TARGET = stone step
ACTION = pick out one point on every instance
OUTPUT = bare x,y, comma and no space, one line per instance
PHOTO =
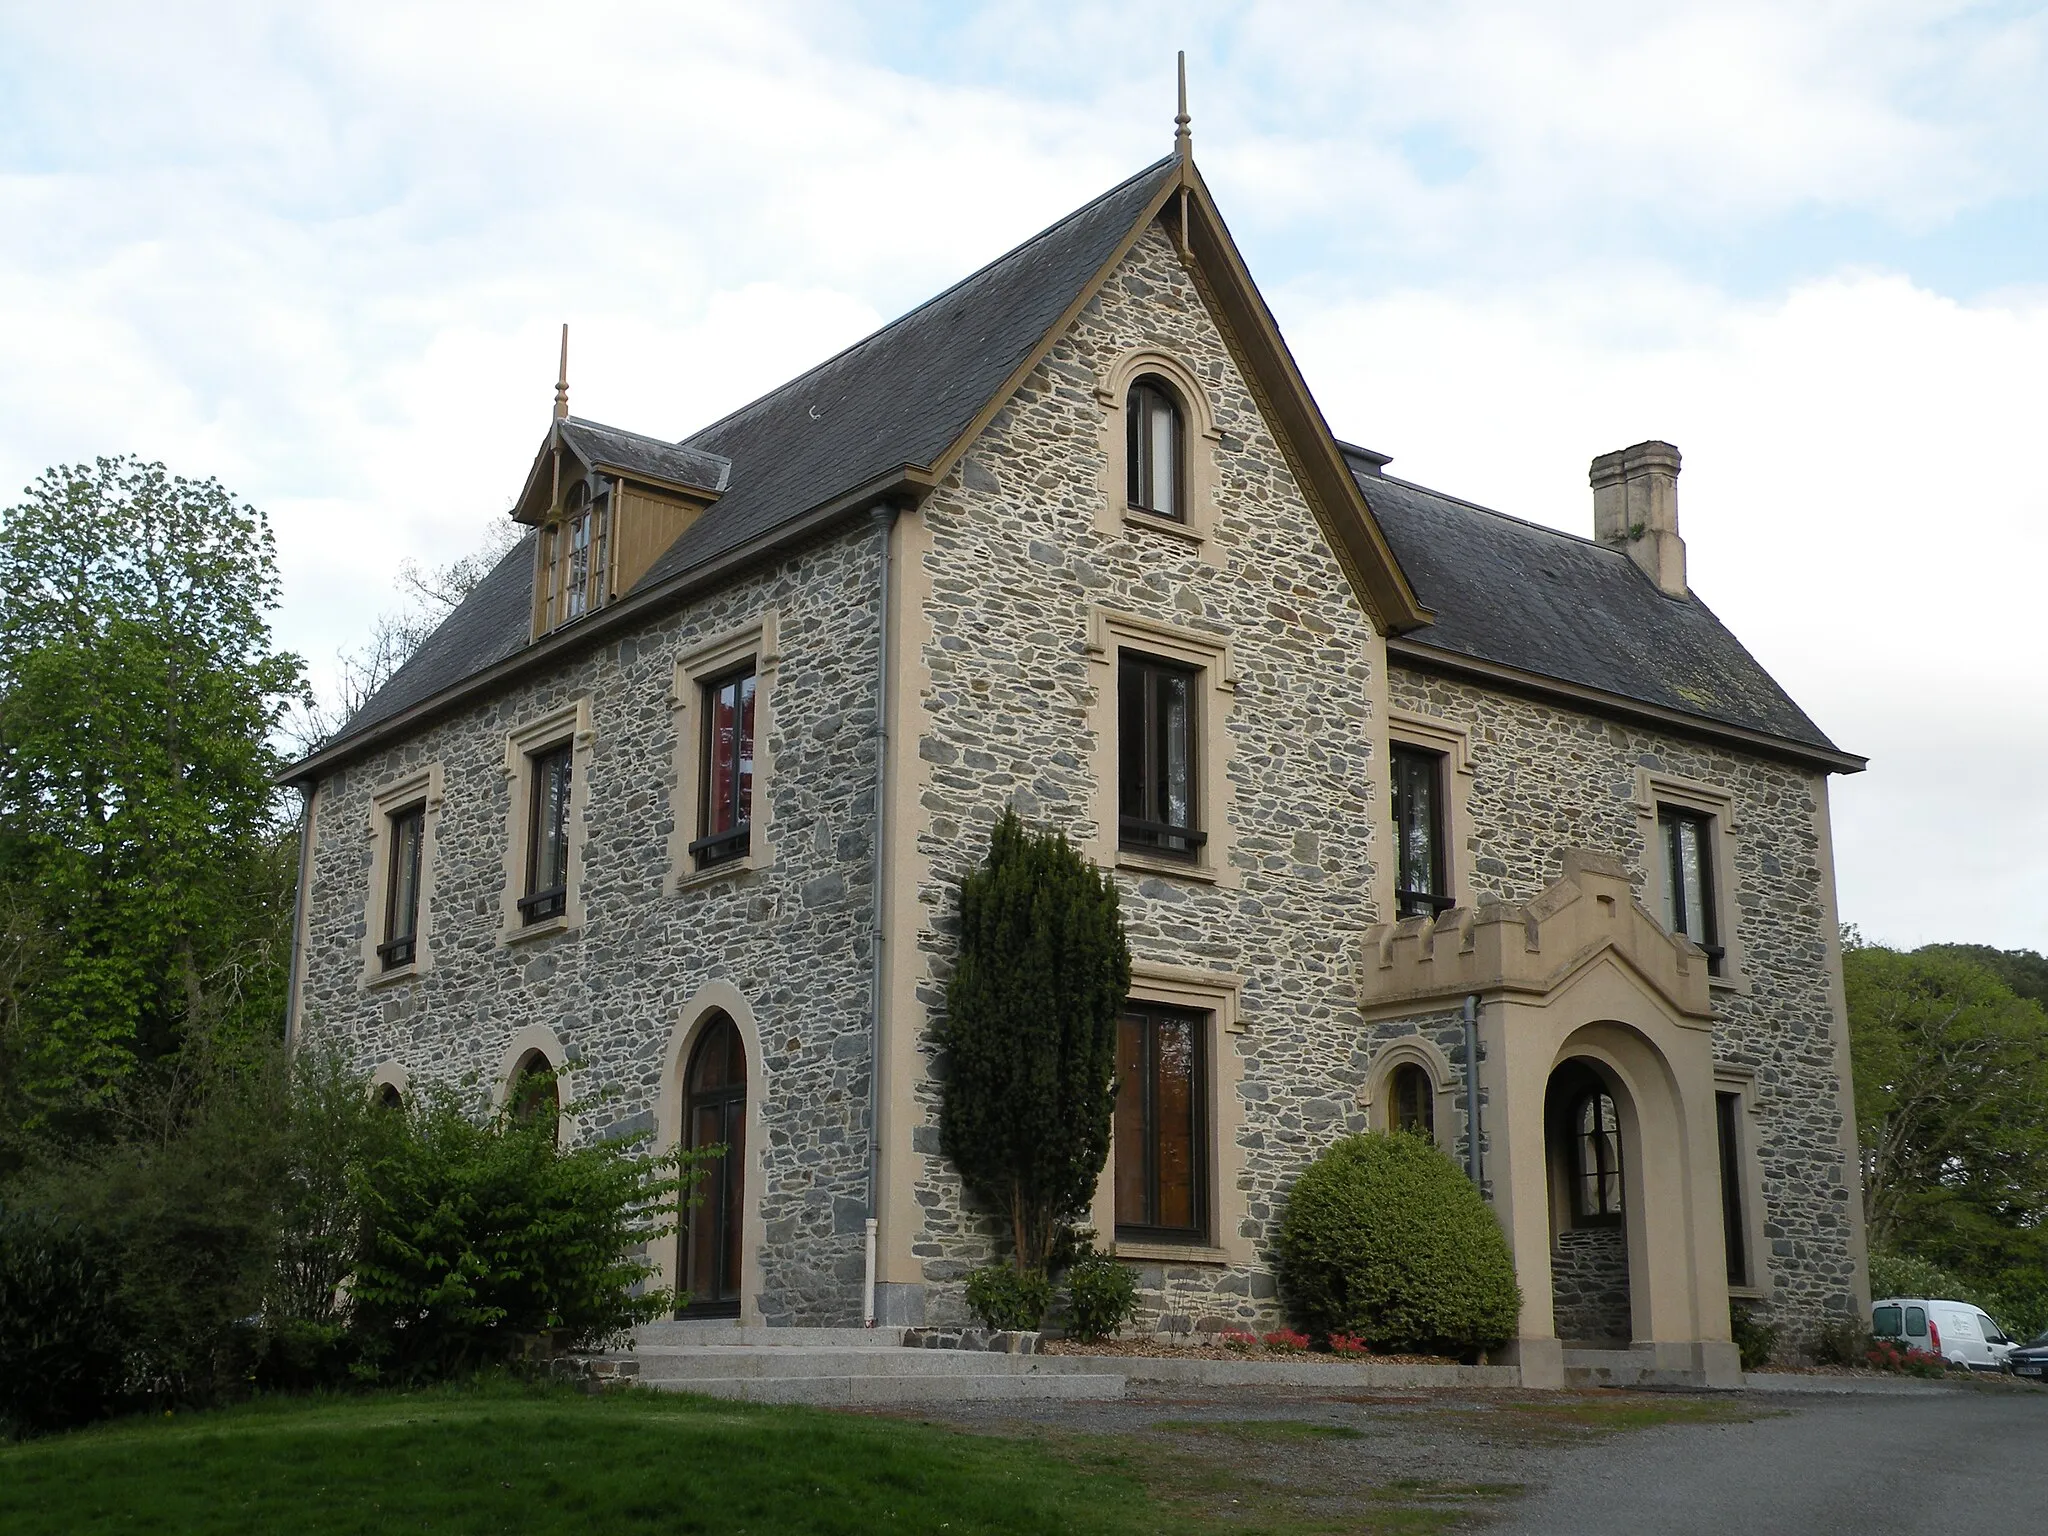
865,1390
1620,1368
681,1331
710,1362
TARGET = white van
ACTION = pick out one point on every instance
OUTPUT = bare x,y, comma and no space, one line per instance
1955,1330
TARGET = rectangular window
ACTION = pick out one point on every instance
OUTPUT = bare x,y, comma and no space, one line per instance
576,583
1156,756
547,838
1161,1131
402,893
1421,889
1689,879
1728,1117
725,817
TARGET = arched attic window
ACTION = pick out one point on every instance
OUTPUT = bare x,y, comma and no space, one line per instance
1596,1145
1156,449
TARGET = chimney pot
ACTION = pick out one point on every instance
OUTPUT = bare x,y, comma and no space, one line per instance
1635,510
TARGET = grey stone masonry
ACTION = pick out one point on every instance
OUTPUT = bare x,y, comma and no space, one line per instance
1019,556
1589,1285
792,938
1544,778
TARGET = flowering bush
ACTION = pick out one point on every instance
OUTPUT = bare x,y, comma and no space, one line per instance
1238,1339
1888,1355
1286,1341
1348,1344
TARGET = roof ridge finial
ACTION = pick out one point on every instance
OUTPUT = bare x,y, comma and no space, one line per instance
562,379
1183,141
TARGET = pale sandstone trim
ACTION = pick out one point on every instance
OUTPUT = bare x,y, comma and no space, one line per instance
1374,1094
754,642
423,785
1659,789
532,1039
1838,1029
571,723
1218,996
669,1106
391,1074
1111,631
1115,516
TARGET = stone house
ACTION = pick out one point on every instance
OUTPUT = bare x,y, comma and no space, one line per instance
1413,807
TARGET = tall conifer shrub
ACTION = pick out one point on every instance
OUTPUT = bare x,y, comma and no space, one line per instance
1030,1033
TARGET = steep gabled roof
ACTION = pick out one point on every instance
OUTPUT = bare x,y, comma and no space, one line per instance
603,447
1523,598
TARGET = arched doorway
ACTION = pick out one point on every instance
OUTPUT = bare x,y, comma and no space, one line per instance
715,1115
1591,1300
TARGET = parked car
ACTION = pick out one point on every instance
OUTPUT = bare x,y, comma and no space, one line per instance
1955,1330
2030,1358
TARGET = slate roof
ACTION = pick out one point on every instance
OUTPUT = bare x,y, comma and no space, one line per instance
596,443
1504,591
897,399
1529,597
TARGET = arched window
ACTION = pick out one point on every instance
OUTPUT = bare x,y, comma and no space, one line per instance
1596,1132
388,1097
1155,449
534,1093
715,1115
1411,1101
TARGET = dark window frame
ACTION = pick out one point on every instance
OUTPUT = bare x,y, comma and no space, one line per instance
1198,1024
1143,828
1734,1192
723,845
1672,820
1148,395
400,948
1591,1206
540,903
1409,764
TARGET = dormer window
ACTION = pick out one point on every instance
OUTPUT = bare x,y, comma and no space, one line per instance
1155,441
575,557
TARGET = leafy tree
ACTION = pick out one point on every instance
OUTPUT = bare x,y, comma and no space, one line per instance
139,829
1952,1113
1030,1033
2025,971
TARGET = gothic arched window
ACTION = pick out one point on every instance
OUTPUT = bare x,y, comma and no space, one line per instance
534,1094
1596,1141
1155,449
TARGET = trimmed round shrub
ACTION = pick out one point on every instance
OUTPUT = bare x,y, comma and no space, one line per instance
1007,1301
1385,1239
1102,1295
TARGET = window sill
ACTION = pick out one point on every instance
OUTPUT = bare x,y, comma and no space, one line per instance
1170,1253
372,980
1172,527
692,879
1153,864
1748,1293
545,929
1736,985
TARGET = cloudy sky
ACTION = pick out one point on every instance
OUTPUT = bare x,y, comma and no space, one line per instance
321,251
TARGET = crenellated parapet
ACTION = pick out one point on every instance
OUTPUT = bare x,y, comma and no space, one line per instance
1534,948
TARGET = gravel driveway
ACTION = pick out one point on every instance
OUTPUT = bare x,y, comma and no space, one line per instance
1947,1460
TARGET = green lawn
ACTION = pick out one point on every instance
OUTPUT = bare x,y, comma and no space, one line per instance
511,1460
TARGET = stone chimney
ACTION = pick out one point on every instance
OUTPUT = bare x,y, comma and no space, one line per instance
1635,509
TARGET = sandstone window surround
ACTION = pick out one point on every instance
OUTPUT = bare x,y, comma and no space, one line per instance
1213,998
390,1084
1451,742
720,657
536,1048
1200,439
1413,1053
421,789
1736,1116
525,747
1208,656
1655,793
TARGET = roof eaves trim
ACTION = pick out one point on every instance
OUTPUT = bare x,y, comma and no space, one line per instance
1269,368
635,608
1400,649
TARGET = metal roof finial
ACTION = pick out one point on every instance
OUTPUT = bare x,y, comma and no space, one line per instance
562,379
1183,141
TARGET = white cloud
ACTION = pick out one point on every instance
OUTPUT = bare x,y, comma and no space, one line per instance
321,251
